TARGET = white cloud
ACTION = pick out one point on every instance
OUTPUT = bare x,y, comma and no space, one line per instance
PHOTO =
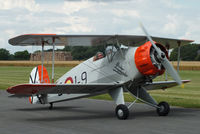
77,28
171,25
171,4
26,4
10,33
192,30
70,25
70,7
161,18
2,43
125,12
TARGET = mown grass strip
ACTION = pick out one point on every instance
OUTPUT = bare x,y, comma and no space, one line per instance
184,65
176,96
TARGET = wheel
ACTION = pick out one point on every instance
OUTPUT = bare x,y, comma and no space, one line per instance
51,106
164,109
122,112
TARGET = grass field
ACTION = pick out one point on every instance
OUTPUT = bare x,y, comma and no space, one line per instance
35,63
187,97
184,65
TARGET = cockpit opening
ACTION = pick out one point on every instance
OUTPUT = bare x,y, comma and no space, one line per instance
98,56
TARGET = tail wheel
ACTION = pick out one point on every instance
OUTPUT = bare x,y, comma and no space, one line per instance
51,106
163,109
122,112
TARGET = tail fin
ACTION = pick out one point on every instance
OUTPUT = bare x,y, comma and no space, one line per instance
36,75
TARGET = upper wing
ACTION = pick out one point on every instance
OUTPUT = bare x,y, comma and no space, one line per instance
162,85
89,40
61,88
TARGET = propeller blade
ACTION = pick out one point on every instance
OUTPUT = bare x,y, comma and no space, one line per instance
170,69
162,57
150,39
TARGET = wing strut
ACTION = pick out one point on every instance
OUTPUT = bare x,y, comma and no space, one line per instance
167,46
179,53
53,59
178,58
42,56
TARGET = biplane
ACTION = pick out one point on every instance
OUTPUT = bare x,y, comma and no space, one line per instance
128,64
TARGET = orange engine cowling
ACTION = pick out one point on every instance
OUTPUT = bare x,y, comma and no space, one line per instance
146,59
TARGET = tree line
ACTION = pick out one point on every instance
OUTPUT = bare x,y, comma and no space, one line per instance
78,53
20,55
190,52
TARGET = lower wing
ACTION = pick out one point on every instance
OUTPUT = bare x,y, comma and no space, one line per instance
61,88
29,89
162,85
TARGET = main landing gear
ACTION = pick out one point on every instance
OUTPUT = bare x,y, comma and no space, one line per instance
122,112
163,109
141,94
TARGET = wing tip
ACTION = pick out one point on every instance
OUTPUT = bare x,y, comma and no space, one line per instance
186,81
16,40
9,90
187,40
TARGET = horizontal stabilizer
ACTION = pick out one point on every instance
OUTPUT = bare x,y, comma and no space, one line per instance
19,96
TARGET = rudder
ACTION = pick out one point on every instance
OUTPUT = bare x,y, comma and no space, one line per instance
36,75
36,78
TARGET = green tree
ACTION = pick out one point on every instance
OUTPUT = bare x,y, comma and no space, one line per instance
67,48
84,52
187,52
37,51
197,58
4,54
22,55
78,52
11,57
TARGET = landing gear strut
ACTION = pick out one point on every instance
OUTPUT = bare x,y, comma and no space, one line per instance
163,109
51,106
122,112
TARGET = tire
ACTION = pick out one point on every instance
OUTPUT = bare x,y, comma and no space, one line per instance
51,106
164,109
122,112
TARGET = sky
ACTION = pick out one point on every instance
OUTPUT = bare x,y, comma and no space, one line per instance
164,18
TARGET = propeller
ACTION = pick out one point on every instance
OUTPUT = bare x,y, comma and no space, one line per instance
163,59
